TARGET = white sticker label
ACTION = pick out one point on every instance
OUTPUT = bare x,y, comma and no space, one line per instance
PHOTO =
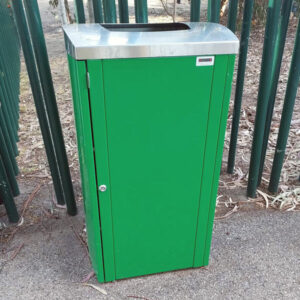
205,61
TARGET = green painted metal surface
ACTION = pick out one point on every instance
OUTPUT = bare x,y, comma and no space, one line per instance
213,13
98,11
246,27
49,104
141,11
219,152
36,59
278,55
195,10
86,158
232,14
151,130
263,94
123,11
287,113
109,9
79,11
159,165
9,109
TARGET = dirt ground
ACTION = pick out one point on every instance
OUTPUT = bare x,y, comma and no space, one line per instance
42,219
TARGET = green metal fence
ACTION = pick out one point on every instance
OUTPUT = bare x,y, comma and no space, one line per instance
32,39
31,35
278,15
9,109
22,26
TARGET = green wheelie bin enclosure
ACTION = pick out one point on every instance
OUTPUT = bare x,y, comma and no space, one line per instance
150,104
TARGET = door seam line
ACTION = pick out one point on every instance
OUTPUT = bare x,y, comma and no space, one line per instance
218,144
96,175
108,164
203,162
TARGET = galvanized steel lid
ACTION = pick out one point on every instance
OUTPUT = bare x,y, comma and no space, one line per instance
111,41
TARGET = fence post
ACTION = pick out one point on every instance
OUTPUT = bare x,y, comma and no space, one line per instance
215,7
247,17
9,166
195,10
98,11
287,113
80,17
39,100
42,61
109,7
9,94
6,195
263,94
279,48
123,11
232,14
11,145
208,10
4,118
8,106
141,11
9,103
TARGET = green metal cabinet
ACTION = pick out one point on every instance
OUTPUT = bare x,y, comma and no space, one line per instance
150,105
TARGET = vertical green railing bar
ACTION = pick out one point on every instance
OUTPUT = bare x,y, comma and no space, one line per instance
80,17
215,7
208,10
6,78
98,11
37,92
41,55
246,27
8,105
6,195
11,145
109,7
7,86
123,11
232,15
287,113
195,10
8,162
279,48
9,110
6,123
263,94
40,104
5,118
141,11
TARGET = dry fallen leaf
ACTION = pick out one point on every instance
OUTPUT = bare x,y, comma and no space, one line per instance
99,289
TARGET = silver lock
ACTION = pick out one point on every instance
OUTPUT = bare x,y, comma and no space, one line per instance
102,188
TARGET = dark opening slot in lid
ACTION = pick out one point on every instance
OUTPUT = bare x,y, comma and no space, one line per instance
146,27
